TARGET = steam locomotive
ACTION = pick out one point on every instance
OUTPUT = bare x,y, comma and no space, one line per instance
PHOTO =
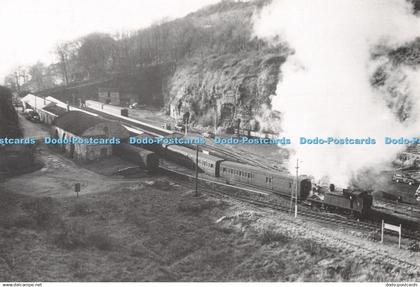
355,202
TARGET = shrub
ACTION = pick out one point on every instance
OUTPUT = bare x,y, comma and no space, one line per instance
414,246
313,248
270,236
196,206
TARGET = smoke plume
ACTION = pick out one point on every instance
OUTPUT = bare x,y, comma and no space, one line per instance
325,88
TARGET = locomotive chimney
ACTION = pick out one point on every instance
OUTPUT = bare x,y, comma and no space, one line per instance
332,187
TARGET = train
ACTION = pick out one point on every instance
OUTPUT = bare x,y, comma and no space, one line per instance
143,158
234,172
350,201
356,202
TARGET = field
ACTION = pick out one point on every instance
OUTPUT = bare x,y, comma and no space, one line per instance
154,230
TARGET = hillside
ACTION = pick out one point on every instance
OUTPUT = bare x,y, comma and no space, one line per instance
9,126
208,65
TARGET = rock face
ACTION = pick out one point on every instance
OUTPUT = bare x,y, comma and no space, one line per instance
230,74
224,89
396,77
230,80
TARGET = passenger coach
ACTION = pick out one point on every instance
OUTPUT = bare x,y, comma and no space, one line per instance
279,183
206,163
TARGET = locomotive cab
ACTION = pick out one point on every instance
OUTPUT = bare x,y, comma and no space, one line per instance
305,188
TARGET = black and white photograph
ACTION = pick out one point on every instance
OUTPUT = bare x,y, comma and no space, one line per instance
209,141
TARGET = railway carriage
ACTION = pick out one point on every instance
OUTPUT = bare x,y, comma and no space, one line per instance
279,183
143,158
206,163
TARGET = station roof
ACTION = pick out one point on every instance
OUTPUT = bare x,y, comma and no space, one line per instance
54,109
34,101
77,122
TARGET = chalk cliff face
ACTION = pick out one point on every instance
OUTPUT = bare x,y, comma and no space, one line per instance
222,89
232,74
233,78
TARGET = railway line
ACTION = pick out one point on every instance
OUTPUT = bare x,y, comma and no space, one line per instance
237,157
238,193
259,202
114,114
415,210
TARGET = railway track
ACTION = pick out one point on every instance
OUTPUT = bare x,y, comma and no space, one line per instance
412,208
310,214
244,159
318,216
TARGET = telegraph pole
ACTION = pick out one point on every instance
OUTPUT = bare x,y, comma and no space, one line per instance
196,171
294,193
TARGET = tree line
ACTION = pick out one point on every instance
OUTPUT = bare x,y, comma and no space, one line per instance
225,27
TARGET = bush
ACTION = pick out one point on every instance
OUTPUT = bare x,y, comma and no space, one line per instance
196,206
414,246
269,236
313,248
347,271
374,236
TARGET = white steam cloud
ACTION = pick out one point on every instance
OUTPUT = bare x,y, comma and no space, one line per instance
325,88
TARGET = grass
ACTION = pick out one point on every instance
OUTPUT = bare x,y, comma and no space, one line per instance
270,236
159,235
196,205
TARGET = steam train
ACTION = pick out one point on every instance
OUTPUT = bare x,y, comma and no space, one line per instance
355,202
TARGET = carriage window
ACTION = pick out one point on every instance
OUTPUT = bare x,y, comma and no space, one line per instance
290,185
249,175
211,165
224,169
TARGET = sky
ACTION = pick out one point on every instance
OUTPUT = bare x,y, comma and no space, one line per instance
30,29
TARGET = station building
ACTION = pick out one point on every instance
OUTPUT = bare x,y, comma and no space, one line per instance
80,125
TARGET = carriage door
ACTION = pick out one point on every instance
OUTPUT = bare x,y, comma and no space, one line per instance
269,182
